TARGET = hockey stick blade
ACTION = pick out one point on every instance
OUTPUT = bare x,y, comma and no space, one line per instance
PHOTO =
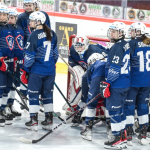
27,141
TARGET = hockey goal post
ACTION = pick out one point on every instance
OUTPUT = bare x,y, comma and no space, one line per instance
93,40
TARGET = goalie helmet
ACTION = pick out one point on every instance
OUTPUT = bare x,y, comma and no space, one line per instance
81,44
139,29
94,57
118,26
37,16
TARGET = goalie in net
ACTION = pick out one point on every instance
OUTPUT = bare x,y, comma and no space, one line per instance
81,47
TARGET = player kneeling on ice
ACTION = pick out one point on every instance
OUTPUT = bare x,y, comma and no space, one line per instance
117,84
41,55
79,54
95,74
140,83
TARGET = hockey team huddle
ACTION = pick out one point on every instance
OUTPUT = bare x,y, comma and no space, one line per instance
117,78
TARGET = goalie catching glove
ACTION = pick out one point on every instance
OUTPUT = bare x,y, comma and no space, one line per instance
24,77
104,89
3,65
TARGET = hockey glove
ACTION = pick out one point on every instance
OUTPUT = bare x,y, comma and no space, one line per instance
24,77
3,65
104,89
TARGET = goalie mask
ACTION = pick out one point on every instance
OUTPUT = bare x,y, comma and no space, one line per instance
116,31
4,15
81,44
136,30
94,57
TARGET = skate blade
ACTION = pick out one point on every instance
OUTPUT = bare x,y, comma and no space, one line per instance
75,125
8,122
113,147
89,138
2,124
33,128
48,127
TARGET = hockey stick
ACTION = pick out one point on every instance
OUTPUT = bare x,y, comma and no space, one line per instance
68,67
64,97
25,140
20,103
20,93
25,105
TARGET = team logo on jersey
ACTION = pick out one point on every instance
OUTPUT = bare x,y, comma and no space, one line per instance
10,41
131,14
83,64
116,12
106,11
83,8
141,15
19,40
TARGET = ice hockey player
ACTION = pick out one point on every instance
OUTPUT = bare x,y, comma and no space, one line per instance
18,34
139,91
29,7
117,71
41,55
95,74
6,62
79,54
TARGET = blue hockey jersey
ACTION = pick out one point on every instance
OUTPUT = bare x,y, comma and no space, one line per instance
23,23
41,55
95,74
76,59
118,65
6,41
19,47
140,63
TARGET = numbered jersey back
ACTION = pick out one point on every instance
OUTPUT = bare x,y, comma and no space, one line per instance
118,65
40,54
140,63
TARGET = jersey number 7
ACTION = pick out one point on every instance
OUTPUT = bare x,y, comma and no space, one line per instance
47,45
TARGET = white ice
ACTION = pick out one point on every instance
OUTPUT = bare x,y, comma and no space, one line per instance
63,138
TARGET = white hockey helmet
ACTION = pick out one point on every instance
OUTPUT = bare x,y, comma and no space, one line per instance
38,16
137,26
13,12
29,2
3,9
79,41
94,57
118,26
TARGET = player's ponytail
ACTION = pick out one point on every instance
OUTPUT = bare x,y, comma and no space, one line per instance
47,30
145,40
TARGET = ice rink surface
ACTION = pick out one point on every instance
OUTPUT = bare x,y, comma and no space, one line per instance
63,138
